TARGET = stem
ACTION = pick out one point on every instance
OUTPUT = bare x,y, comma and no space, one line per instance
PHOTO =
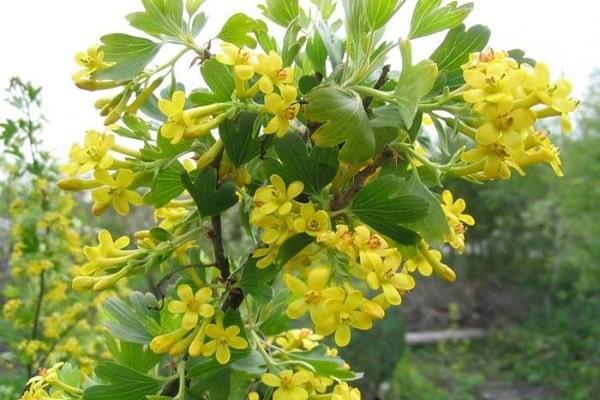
216,236
36,317
181,370
467,169
383,78
126,151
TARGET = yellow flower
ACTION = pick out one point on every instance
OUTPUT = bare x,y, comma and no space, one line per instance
169,216
191,305
311,221
289,384
393,283
11,307
162,343
428,261
372,248
94,154
493,84
313,294
115,192
496,161
276,229
91,61
277,197
343,391
267,256
284,107
239,58
223,339
298,339
271,68
341,240
354,312
253,396
542,151
178,120
455,209
107,254
504,124
558,98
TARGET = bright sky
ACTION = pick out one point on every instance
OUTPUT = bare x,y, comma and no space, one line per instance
38,39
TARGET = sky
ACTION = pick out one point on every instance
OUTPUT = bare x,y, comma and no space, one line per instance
38,40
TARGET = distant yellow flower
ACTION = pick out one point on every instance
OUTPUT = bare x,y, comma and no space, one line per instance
94,154
271,68
239,58
276,197
115,192
191,305
223,339
178,121
92,60
311,221
284,107
289,384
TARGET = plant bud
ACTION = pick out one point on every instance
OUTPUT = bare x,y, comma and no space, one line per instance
91,85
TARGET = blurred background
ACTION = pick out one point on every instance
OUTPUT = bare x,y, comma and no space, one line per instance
522,320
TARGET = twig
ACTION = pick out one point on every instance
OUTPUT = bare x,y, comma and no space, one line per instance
342,200
383,78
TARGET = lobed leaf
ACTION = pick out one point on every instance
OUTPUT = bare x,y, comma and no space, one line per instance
429,18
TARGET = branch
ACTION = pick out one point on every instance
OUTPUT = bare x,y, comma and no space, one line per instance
216,236
342,200
383,78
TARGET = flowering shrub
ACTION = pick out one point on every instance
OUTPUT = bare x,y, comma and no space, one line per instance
44,320
319,148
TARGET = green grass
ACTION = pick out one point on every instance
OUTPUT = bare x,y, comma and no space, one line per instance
557,351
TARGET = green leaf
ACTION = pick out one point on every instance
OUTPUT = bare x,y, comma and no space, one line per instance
121,383
237,30
257,282
198,24
454,51
219,79
385,208
132,322
132,355
333,45
137,126
429,18
317,53
325,7
316,167
291,44
239,139
161,18
167,185
434,226
164,149
344,121
379,12
325,365
210,199
191,6
129,53
282,12
414,83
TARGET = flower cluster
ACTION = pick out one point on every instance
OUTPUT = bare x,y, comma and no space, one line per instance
201,332
510,98
301,384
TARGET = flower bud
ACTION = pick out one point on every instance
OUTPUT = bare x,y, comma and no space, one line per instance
92,85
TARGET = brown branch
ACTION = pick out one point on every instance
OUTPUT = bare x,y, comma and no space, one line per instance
342,200
383,78
216,237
